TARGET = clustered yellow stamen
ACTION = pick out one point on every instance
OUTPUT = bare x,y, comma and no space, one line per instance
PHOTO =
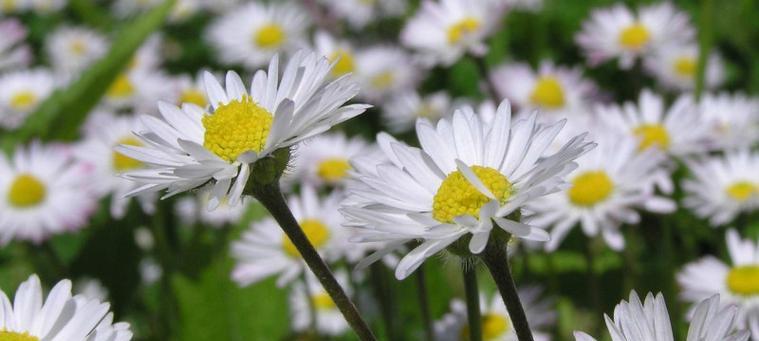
122,162
461,28
742,190
634,37
383,80
270,36
322,301
121,87
685,66
456,196
316,232
427,111
493,327
26,191
193,96
23,100
548,93
15,336
237,127
333,169
744,280
78,47
590,188
345,63
652,134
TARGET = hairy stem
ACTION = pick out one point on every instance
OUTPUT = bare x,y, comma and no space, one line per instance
472,302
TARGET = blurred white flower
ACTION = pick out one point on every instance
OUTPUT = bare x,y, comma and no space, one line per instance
675,66
359,13
91,288
402,111
14,53
194,208
384,71
137,91
143,238
15,6
21,92
338,51
329,320
733,120
190,90
72,49
150,271
47,6
325,159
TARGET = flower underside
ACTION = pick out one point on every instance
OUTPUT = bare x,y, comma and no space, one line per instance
237,127
456,196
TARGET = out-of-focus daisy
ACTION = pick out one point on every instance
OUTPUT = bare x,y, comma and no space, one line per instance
468,178
358,13
339,51
189,90
137,90
636,321
13,52
188,147
14,6
254,32
46,6
329,320
148,56
192,209
20,94
442,31
59,317
675,66
150,271
402,111
144,238
733,120
71,49
552,89
325,159
44,192
723,186
91,288
611,182
496,323
265,250
737,283
103,132
384,70
618,32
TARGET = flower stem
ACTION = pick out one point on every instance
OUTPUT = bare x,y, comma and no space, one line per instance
270,197
424,306
497,262
472,301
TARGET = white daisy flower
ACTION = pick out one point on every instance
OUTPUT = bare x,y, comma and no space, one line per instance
59,317
264,250
150,271
496,323
137,90
148,57
45,192
338,51
91,288
552,88
324,159
675,66
254,32
383,71
443,31
722,187
187,147
47,6
21,92
618,32
402,111
72,49
103,132
14,53
733,120
736,283
190,90
649,321
359,13
467,175
15,6
194,208
144,239
329,320
611,182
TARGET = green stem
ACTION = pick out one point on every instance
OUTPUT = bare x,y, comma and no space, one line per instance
168,308
424,305
482,67
630,257
593,280
704,44
472,301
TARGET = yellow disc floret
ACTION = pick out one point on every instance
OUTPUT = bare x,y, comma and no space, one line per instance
493,327
456,196
270,36
383,80
236,127
193,96
322,301
744,280
121,87
590,188
78,47
345,63
462,28
122,162
741,190
15,336
26,191
23,100
634,37
333,169
316,232
548,93
685,66
652,135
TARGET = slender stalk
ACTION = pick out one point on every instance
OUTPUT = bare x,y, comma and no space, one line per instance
424,306
593,280
704,44
311,305
482,66
472,301
497,263
270,197
168,308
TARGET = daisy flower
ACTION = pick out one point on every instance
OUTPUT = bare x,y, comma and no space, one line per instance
329,320
265,250
20,94
611,182
338,51
443,31
194,208
45,192
324,159
254,32
359,13
675,67
733,120
383,71
467,179
496,323
72,49
721,187
618,32
13,52
402,111
649,321
190,90
47,6
552,89
188,147
137,90
15,6
58,317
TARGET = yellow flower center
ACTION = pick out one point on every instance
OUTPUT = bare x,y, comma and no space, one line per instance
652,135
744,280
383,80
9,5
26,191
270,36
14,336
493,327
456,196
634,37
590,188
193,96
685,66
23,100
316,232
333,169
461,29
121,87
548,93
78,47
237,127
345,63
322,301
426,110
122,162
741,190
